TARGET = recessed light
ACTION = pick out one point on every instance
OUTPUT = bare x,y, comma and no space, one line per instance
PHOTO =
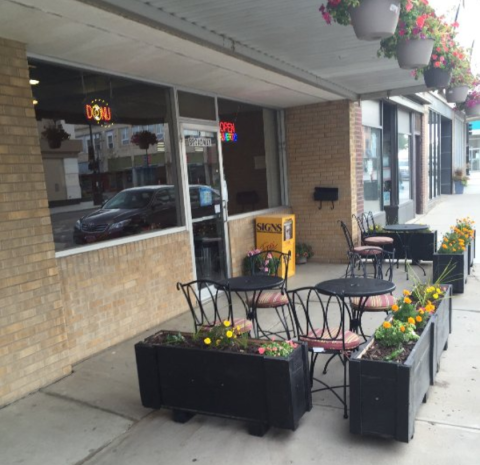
34,101
34,82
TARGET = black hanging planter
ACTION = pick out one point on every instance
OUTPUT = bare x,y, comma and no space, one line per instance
375,19
437,78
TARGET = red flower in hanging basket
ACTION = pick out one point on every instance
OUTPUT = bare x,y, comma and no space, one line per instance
144,139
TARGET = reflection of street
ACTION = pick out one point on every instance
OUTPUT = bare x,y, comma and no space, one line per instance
62,225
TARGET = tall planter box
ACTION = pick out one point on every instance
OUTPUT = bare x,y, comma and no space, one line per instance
422,245
459,269
385,396
442,327
264,391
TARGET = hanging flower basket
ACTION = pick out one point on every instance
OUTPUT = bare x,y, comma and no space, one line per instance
375,19
457,94
473,111
437,78
414,53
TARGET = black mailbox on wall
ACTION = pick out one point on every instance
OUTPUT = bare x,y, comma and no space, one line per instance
326,193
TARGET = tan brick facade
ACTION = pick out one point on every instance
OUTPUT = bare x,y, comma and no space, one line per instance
114,293
33,340
321,148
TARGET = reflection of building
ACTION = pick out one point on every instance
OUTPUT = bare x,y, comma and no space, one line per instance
474,146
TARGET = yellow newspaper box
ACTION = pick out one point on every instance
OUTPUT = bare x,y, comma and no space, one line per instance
277,232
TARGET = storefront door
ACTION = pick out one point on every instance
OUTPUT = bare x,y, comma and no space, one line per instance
208,214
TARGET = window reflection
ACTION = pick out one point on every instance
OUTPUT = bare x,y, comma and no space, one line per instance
404,170
371,169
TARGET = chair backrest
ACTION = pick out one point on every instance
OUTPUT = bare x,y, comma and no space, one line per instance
269,262
378,264
318,316
348,236
203,300
370,223
360,219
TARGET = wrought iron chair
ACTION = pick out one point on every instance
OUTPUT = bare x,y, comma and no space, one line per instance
381,267
203,298
364,250
320,322
368,236
272,262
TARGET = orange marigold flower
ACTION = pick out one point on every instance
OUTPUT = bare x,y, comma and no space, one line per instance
444,246
406,292
411,320
407,300
395,307
418,318
387,324
402,329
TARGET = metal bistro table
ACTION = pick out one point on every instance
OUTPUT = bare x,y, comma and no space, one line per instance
362,288
402,231
253,284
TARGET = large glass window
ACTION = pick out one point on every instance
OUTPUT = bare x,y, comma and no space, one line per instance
250,156
104,139
372,166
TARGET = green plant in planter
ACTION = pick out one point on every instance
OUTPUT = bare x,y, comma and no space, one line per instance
458,175
55,135
337,11
407,310
394,335
303,250
473,98
262,264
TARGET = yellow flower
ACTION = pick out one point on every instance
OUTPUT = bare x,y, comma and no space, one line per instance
406,292
407,300
439,291
229,333
402,329
444,246
395,307
421,312
207,341
387,324
418,318
411,320
238,328
217,342
226,323
435,296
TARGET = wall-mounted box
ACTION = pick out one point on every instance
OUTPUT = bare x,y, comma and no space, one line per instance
326,193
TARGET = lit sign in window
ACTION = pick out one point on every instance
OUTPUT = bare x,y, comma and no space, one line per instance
98,111
227,132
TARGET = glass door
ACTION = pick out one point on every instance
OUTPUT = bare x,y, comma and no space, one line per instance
207,209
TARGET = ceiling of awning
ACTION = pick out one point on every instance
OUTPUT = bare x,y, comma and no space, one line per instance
274,52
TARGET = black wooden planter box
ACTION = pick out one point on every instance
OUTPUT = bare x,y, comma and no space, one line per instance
458,275
264,391
385,396
422,245
442,327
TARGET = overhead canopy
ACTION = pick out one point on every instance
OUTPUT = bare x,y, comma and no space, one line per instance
275,53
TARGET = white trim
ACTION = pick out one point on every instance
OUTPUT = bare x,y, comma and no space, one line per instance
404,102
266,211
117,242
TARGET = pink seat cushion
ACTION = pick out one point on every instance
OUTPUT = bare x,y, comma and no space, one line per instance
378,240
270,299
368,250
376,303
332,341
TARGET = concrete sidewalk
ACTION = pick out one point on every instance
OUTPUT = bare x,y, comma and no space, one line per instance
95,417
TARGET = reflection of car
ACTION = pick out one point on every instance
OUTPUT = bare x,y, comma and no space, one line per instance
404,170
141,209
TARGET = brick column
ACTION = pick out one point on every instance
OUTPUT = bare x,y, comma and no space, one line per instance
33,341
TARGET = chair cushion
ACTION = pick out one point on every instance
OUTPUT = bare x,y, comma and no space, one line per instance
378,240
367,250
376,303
269,299
314,339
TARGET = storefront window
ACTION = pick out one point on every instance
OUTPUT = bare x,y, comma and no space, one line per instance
404,168
106,178
372,166
250,156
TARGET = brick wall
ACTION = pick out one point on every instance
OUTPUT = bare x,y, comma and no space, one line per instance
241,233
359,144
113,293
321,153
33,341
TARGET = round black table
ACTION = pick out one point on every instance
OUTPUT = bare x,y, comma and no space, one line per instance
402,231
254,284
363,288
